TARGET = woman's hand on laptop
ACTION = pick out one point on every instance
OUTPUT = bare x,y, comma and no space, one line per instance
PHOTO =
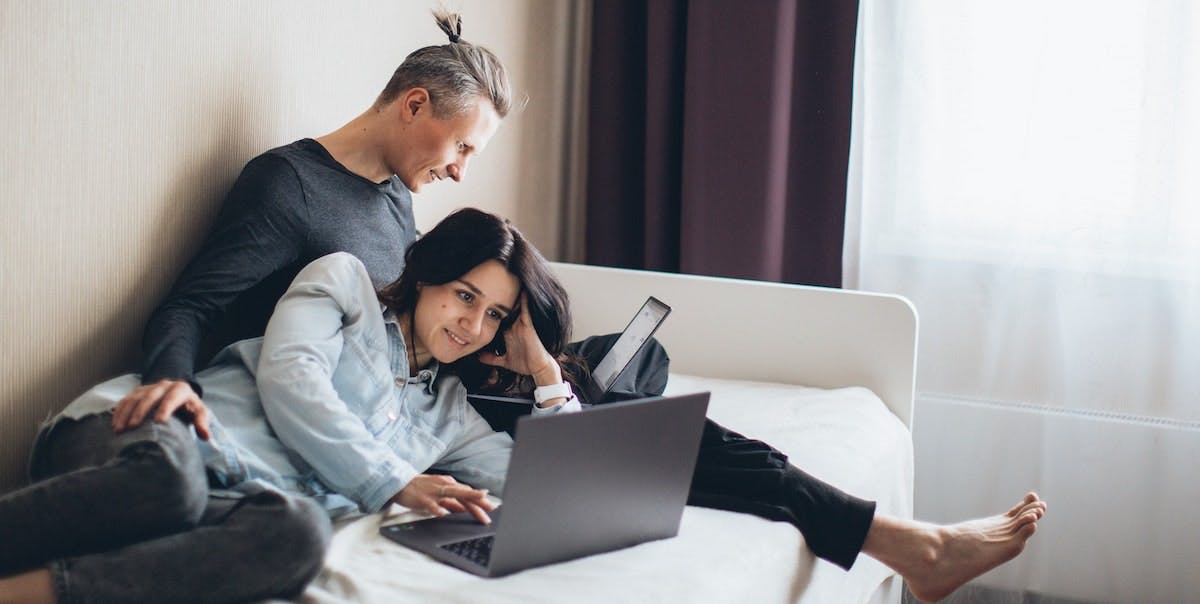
439,495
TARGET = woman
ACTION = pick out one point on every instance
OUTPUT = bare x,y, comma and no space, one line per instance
339,405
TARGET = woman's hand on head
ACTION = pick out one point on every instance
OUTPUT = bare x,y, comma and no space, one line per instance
163,398
439,495
525,353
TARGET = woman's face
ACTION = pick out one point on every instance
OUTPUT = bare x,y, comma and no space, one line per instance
458,318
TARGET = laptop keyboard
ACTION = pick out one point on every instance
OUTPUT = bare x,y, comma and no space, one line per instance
478,550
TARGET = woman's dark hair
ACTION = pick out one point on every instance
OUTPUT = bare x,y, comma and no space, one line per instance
455,74
459,243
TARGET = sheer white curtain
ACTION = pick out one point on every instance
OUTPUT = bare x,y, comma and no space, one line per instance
1028,173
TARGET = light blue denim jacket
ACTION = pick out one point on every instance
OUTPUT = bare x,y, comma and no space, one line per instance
322,404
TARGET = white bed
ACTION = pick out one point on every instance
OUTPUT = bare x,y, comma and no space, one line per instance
824,375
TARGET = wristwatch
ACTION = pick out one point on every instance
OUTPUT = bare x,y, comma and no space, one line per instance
542,394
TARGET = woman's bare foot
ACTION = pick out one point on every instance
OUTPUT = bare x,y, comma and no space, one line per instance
935,560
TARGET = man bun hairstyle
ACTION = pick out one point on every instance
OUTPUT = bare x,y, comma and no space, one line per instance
444,21
455,74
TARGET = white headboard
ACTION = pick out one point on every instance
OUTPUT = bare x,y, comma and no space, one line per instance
753,330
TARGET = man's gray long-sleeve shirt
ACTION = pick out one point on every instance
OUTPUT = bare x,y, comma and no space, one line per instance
290,206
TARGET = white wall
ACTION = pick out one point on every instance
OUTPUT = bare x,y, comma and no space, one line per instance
125,123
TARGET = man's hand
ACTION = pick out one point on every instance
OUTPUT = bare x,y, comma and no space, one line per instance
439,495
164,398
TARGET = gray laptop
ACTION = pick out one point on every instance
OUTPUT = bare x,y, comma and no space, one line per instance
578,484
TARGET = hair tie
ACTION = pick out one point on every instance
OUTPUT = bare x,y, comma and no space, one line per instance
457,35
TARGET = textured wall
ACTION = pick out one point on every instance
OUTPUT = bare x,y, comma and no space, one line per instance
125,122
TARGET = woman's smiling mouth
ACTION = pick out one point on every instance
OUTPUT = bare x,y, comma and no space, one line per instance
457,340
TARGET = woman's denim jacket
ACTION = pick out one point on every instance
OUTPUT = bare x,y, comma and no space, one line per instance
322,405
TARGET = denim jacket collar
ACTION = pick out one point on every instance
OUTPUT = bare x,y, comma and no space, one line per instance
426,377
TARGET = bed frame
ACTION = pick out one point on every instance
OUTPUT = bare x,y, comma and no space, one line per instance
770,332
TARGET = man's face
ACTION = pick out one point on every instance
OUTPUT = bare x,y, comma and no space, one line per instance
434,149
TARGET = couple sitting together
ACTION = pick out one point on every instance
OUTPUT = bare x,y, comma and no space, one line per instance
354,396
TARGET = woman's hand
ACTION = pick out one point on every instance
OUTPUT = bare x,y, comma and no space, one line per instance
164,398
525,354
439,495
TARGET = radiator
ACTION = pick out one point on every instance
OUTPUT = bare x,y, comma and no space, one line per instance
1123,523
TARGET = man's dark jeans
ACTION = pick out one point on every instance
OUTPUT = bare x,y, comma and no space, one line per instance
130,518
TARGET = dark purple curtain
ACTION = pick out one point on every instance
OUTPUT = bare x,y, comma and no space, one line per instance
719,132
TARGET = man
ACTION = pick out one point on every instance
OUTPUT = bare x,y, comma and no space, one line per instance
349,190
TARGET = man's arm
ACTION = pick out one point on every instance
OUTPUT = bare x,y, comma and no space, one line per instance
261,229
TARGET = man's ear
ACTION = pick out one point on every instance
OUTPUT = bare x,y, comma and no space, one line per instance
413,102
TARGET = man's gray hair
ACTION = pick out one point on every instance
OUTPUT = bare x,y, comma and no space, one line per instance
455,74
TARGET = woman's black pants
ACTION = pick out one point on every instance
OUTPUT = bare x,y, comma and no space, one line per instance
739,474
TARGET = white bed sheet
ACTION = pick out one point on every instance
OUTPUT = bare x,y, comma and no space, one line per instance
844,436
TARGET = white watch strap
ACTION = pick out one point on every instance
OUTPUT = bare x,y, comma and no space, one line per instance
542,394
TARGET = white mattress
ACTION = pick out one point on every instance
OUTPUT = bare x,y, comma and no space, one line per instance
844,436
